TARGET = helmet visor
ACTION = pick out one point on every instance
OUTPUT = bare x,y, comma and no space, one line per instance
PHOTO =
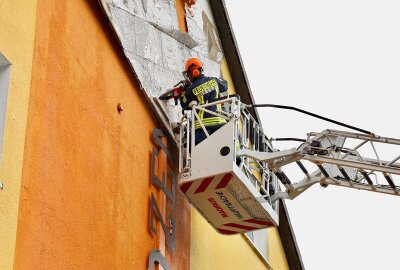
186,75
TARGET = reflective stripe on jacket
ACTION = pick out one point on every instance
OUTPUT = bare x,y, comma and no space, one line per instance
205,90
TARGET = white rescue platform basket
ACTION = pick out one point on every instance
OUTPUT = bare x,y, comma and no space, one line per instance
231,177
233,193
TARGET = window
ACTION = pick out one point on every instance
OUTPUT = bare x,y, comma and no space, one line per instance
259,239
5,68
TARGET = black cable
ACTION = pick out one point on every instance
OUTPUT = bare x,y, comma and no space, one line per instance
288,139
311,114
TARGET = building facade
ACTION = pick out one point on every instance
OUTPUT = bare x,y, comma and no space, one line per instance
88,160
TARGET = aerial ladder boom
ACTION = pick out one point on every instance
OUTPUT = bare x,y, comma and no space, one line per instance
336,164
235,177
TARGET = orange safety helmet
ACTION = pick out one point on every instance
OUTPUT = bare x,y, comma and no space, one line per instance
193,67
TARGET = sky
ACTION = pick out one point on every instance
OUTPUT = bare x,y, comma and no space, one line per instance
339,59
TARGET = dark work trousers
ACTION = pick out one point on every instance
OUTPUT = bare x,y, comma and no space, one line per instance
200,135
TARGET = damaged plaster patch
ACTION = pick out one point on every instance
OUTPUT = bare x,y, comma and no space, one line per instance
145,4
184,38
156,48
212,68
148,41
155,79
189,53
159,13
141,68
172,53
211,35
162,15
124,24
194,30
133,6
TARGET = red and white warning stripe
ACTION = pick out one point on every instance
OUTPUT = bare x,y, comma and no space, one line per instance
216,183
244,226
195,187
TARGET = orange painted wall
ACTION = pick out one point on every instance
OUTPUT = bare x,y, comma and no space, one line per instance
85,192
180,11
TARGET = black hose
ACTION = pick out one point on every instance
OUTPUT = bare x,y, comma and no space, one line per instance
311,114
288,139
226,97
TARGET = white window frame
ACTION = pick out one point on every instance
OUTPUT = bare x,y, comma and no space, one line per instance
5,71
259,239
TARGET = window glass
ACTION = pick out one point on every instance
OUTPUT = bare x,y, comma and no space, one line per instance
260,241
5,68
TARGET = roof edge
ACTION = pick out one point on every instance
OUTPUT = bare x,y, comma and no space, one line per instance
240,80
232,54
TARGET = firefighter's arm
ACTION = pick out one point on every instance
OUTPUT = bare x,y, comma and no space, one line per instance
183,101
222,85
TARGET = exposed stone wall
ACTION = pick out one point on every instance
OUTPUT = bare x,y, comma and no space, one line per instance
157,49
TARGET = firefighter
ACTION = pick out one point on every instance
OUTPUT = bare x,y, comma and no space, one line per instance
202,90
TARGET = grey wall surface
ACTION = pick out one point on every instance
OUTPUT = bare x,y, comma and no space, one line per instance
156,48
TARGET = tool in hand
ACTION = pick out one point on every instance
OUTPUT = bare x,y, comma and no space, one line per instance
175,92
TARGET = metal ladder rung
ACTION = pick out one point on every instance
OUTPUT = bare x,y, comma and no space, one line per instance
389,180
366,176
302,167
344,173
283,178
322,169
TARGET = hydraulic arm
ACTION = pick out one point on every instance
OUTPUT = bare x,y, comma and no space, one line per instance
232,177
340,158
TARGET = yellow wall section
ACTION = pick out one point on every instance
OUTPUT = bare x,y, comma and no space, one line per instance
227,76
276,254
211,250
17,21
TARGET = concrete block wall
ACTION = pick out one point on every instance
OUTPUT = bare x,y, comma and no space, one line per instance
156,48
